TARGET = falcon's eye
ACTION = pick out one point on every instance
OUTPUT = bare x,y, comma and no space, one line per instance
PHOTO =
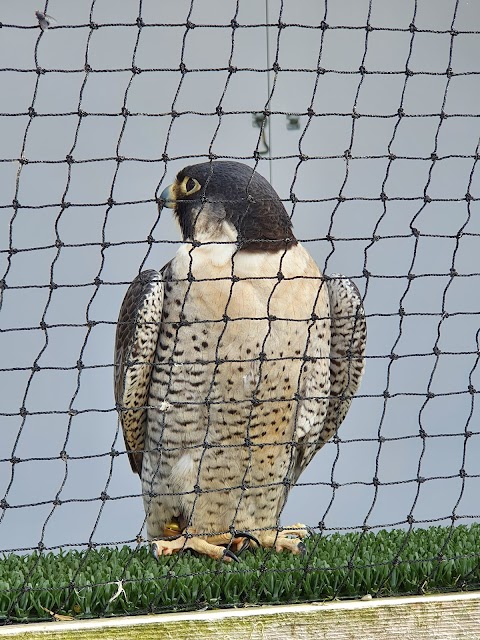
189,186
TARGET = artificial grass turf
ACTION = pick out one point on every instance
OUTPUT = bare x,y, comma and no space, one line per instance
110,581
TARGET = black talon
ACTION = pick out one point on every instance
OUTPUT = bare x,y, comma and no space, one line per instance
302,548
248,536
245,545
231,555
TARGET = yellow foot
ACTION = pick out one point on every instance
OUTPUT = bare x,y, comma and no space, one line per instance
177,541
286,539
296,530
182,542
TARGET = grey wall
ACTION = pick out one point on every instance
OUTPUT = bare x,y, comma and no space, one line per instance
94,142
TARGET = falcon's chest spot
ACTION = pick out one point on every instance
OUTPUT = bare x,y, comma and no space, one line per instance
186,355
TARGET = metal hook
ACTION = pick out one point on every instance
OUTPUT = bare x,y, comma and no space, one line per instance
259,120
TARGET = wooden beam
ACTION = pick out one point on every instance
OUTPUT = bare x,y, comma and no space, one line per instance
439,617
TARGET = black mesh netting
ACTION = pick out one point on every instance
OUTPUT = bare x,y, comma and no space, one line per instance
364,117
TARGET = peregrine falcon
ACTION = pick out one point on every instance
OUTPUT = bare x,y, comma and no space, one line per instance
234,365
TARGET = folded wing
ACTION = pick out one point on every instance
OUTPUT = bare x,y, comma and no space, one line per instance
347,363
135,345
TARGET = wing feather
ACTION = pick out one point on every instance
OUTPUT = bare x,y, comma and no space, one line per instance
347,362
347,348
135,345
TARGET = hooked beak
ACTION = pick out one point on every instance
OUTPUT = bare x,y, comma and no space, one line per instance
168,197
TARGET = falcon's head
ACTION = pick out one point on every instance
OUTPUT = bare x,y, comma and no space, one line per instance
210,197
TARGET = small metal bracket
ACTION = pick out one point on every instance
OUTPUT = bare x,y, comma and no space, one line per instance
258,118
259,121
293,122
